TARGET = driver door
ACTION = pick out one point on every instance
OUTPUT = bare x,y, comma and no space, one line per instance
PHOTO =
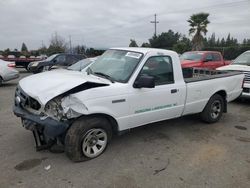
164,101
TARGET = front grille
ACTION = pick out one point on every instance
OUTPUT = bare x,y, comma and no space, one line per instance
247,77
246,90
26,101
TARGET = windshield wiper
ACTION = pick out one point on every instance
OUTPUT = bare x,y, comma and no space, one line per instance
105,76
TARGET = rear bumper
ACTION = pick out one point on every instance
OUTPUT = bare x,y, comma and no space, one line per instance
50,127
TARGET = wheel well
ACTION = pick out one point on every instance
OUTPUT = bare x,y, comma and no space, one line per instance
223,94
112,120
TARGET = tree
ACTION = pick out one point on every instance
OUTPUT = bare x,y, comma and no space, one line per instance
24,48
79,49
198,23
183,45
145,45
133,43
57,44
165,40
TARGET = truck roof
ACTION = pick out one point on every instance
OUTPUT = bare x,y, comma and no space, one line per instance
143,50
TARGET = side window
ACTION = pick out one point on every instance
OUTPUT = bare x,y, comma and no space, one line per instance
209,57
161,68
60,59
71,60
216,57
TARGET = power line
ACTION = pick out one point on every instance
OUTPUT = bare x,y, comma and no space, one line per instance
155,22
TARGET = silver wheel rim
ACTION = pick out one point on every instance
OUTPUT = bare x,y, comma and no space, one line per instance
94,142
215,109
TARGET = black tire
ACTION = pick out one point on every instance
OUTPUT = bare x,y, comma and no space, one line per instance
78,135
213,110
1,81
26,67
40,69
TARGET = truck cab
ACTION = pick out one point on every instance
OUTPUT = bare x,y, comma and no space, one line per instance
203,59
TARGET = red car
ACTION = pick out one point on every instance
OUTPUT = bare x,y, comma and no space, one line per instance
203,59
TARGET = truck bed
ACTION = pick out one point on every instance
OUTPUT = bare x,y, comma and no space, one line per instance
195,74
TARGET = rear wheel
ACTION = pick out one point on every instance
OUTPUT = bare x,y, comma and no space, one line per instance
213,110
87,138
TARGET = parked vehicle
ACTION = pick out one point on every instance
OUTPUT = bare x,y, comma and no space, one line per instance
241,63
203,59
54,61
82,64
7,72
21,61
123,89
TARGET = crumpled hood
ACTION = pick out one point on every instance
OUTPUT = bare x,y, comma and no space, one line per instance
47,85
235,68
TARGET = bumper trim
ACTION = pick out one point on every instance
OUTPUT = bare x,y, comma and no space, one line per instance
51,127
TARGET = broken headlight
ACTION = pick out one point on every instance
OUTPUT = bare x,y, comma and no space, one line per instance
54,109
65,108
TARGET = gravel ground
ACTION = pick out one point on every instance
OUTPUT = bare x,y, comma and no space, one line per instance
183,152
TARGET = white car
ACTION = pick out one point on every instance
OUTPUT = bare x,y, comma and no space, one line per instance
124,88
82,64
242,64
7,71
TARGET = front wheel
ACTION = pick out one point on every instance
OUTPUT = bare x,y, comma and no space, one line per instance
87,138
213,110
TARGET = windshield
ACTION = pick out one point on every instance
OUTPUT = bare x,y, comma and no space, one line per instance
193,56
51,57
116,64
243,59
80,65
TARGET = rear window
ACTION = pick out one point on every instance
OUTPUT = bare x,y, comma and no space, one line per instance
193,56
243,59
216,57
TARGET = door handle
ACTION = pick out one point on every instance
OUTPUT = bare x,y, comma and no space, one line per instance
174,90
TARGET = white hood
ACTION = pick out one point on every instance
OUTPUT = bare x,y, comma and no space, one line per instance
235,68
47,85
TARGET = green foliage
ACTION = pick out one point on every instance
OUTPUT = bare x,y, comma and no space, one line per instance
91,52
133,43
57,45
79,49
183,45
230,52
165,40
24,48
145,45
198,27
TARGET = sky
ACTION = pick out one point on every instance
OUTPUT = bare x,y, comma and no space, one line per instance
112,23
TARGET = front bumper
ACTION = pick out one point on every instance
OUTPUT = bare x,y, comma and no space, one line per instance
33,68
49,126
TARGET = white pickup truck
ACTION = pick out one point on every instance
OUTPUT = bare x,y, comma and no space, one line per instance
123,89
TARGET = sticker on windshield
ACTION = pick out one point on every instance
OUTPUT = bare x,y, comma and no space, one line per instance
133,54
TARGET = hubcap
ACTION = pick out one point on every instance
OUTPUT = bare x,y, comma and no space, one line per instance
215,109
94,142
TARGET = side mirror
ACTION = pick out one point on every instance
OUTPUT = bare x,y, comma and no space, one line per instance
144,81
55,60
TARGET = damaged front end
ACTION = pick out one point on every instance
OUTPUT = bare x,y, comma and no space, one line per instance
49,123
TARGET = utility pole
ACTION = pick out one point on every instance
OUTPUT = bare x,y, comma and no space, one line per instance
70,45
155,22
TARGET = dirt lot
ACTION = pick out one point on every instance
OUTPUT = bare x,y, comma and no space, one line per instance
178,153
